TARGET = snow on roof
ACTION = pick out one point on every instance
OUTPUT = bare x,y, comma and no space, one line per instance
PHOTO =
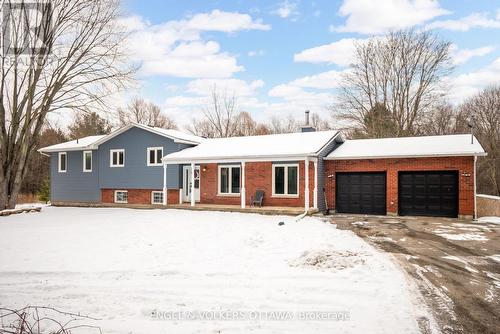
428,146
73,145
287,145
93,141
179,135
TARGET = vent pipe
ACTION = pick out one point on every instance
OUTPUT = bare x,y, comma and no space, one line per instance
307,118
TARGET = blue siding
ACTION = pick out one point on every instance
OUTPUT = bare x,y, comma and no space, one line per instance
74,185
136,174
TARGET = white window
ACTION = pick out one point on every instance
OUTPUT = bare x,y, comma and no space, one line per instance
229,180
121,196
87,161
154,156
157,197
286,180
117,158
63,162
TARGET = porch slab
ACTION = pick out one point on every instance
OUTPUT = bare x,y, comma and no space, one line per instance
266,210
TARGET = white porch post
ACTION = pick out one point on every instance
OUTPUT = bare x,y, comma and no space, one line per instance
306,187
315,193
192,184
243,190
165,184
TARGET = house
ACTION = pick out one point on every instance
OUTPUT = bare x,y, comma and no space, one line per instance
122,167
433,175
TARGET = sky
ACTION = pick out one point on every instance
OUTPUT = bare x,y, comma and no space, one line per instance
283,57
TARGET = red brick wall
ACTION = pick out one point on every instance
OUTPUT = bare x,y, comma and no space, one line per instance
464,165
258,176
139,196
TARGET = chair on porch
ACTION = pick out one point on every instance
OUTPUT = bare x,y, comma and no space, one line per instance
258,198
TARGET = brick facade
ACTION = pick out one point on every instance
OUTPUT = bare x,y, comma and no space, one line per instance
464,166
139,196
258,176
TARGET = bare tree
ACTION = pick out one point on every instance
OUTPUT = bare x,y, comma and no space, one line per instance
59,55
220,116
320,124
482,111
441,121
284,125
403,72
144,112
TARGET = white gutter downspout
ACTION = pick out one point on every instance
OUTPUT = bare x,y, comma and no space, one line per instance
164,184
306,187
475,189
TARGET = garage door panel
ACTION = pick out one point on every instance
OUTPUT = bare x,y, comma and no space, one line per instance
429,193
361,193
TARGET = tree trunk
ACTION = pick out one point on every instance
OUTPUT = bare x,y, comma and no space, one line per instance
3,194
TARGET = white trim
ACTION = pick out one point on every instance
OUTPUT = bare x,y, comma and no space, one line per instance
149,149
223,160
121,202
84,164
230,181
315,191
468,154
306,184
193,199
286,165
153,196
117,158
144,127
65,162
242,188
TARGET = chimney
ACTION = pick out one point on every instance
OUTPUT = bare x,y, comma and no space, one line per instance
307,127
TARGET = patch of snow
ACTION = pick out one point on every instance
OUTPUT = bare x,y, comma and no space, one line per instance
494,257
363,223
488,196
464,236
121,265
491,220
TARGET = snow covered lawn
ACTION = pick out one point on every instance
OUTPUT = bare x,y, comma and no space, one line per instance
123,265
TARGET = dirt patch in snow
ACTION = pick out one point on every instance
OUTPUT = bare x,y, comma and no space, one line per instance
329,260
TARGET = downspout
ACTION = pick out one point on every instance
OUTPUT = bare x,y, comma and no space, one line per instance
475,189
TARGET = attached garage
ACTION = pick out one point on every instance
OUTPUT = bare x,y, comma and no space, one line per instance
361,193
417,176
428,193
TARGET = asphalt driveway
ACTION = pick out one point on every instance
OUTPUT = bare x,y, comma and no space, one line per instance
455,263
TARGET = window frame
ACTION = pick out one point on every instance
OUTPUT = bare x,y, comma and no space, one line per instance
118,160
285,194
149,149
65,162
91,162
120,202
153,196
230,180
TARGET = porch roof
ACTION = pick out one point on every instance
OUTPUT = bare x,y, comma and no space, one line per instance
267,147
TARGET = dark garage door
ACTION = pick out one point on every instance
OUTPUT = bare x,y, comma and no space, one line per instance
428,193
361,193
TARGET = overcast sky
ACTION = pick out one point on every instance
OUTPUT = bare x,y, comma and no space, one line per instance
285,57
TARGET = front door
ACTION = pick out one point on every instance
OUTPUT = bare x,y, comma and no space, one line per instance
186,183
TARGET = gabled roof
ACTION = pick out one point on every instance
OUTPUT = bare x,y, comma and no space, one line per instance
91,142
279,146
408,147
